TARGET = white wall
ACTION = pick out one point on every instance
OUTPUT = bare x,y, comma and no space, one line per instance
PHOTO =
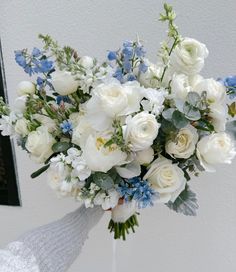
165,241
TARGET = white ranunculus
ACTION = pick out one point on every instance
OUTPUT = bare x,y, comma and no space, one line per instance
110,100
216,92
141,130
215,149
64,82
183,146
39,144
121,213
166,178
100,158
188,57
21,127
46,121
87,62
145,156
107,200
20,103
218,113
154,102
25,88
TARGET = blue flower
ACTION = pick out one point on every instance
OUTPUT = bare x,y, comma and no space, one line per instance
127,66
40,82
20,59
112,55
128,44
128,52
45,66
36,52
230,84
66,126
118,74
140,51
62,98
138,190
131,77
143,67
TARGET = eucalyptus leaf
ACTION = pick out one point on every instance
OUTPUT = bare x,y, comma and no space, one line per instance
103,180
60,147
186,203
40,171
179,120
191,112
231,128
167,114
193,98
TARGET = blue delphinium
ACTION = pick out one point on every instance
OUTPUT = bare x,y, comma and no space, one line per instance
139,190
62,98
112,55
66,127
230,84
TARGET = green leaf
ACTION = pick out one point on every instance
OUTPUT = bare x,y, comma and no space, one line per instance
193,98
103,180
191,112
186,203
40,171
179,120
167,114
232,109
231,128
167,127
60,147
204,125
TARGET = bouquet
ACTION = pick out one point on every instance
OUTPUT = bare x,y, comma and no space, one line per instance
126,133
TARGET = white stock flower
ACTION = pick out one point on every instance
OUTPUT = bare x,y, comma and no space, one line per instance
166,178
39,144
110,100
107,200
25,88
64,82
145,156
21,127
121,213
183,146
56,173
7,124
86,61
215,149
154,102
100,158
188,57
216,92
218,113
141,130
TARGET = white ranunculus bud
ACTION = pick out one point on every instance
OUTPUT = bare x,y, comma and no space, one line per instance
166,178
20,103
145,156
216,92
121,213
188,57
141,130
39,144
64,82
25,88
215,149
87,62
21,127
183,146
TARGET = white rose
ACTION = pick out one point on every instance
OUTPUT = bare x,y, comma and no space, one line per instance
46,121
216,92
121,213
39,144
87,62
218,113
110,100
21,127
100,158
145,156
188,57
141,131
64,82
215,149
25,87
183,146
166,178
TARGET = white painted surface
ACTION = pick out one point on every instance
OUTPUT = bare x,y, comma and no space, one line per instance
165,241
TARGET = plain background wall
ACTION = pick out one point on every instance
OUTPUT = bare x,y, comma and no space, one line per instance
165,241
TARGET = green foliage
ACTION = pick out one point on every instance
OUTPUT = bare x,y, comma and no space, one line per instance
122,229
40,171
61,147
103,180
232,109
179,120
4,109
186,203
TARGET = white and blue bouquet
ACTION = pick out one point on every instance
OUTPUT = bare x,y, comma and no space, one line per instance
126,133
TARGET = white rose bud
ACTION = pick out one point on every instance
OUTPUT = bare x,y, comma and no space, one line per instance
216,92
25,88
146,156
39,144
188,57
21,127
141,131
121,213
86,62
64,82
166,178
215,149
183,146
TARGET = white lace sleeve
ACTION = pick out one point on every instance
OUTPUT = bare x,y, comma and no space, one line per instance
53,247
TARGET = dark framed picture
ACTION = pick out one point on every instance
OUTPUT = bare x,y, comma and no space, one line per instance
9,194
